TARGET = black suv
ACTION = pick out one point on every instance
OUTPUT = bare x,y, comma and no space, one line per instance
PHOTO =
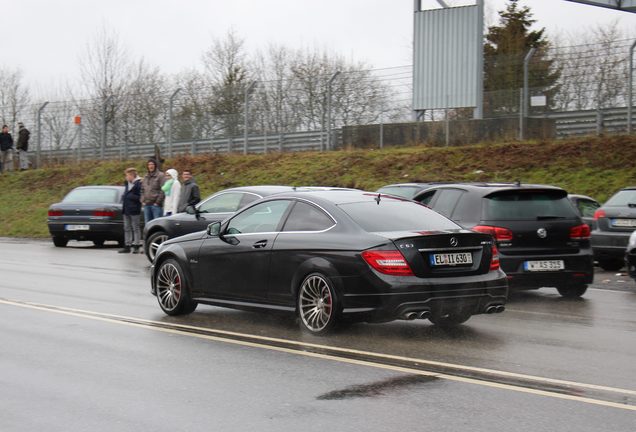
541,238
615,221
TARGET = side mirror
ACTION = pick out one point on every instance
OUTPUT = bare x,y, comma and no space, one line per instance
191,210
214,229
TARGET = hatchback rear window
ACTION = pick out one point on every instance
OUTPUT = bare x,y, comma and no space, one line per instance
401,191
622,199
528,205
391,215
92,196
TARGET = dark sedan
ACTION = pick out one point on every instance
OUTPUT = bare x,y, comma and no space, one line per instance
216,207
88,213
333,255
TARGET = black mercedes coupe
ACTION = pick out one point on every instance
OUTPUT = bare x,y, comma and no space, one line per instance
334,255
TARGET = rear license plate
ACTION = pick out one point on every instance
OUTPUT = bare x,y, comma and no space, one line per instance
552,265
77,227
451,259
624,223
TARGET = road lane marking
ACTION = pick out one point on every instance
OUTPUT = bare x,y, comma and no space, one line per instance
230,337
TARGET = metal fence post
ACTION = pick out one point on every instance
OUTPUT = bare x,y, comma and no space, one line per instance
38,153
381,133
599,122
526,91
248,91
521,114
104,125
79,142
170,108
630,89
329,86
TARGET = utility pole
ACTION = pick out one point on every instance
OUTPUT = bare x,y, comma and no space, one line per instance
526,92
329,86
38,155
248,91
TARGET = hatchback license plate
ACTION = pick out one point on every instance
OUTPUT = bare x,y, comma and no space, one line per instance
552,265
77,227
626,223
451,259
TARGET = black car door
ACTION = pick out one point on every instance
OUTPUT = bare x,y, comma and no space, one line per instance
236,264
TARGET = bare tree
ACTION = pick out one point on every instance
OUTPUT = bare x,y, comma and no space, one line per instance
14,96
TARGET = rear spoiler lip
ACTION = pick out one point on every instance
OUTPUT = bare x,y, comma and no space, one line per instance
404,235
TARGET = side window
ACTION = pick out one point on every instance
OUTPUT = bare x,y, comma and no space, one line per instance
427,198
248,198
447,200
222,203
587,207
264,217
305,217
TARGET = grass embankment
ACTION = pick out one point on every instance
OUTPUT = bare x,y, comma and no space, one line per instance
592,166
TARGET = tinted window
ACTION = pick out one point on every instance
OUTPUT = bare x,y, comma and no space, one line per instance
92,195
306,217
392,215
622,199
264,217
587,207
527,205
401,191
222,203
427,198
447,200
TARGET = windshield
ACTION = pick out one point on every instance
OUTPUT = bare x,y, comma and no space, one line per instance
391,215
92,195
401,191
622,199
528,205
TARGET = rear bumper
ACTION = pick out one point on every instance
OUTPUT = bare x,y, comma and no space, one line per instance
401,295
97,231
609,245
579,269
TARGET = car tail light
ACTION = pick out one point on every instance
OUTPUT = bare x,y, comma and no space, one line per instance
498,233
599,214
580,232
55,213
494,261
103,213
389,262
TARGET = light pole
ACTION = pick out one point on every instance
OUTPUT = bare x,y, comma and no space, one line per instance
526,92
170,108
329,86
248,91
38,154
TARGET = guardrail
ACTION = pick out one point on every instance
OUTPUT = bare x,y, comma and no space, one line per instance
589,122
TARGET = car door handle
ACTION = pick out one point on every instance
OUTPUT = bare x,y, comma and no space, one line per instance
260,244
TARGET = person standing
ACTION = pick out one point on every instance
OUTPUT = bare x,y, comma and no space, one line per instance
151,194
172,190
23,146
131,212
190,194
6,150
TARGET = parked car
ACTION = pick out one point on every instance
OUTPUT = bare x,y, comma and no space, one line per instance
88,213
630,256
586,207
334,255
542,240
406,190
615,220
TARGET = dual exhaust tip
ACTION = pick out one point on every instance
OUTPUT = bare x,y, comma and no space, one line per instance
410,316
495,309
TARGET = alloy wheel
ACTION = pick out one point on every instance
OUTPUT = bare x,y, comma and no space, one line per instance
316,303
168,286
156,241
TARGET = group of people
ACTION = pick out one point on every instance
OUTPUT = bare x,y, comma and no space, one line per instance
6,148
157,194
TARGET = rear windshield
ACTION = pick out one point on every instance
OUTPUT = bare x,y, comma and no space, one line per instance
92,195
622,199
528,205
392,215
401,191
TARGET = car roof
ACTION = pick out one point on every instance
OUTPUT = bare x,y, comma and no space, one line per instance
417,184
579,196
262,190
484,188
100,187
340,196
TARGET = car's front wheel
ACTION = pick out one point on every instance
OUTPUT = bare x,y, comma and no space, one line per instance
572,291
611,264
172,290
152,243
318,304
60,241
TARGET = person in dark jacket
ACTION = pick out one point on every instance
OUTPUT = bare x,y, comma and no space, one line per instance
190,194
151,194
6,150
23,146
131,212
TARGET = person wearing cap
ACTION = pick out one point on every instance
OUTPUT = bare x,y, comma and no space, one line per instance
6,150
152,196
23,146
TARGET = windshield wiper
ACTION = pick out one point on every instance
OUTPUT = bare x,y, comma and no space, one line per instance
546,217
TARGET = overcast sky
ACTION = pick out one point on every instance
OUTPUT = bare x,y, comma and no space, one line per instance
45,37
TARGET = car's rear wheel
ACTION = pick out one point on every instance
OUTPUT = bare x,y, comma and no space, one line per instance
572,291
152,243
172,291
611,264
60,241
318,304
450,319
99,243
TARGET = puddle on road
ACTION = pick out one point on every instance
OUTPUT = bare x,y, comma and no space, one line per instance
378,388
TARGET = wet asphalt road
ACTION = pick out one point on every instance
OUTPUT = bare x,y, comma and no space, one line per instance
112,361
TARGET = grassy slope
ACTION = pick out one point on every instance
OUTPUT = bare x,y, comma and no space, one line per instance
592,166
